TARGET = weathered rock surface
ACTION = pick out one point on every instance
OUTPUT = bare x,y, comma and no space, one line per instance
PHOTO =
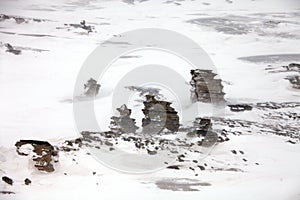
200,127
159,115
123,123
91,88
71,145
44,153
27,181
7,180
11,49
240,107
19,19
275,118
295,81
83,26
205,88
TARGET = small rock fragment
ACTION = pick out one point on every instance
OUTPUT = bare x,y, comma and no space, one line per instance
7,180
91,88
27,181
233,151
151,152
240,107
173,167
6,192
11,49
290,141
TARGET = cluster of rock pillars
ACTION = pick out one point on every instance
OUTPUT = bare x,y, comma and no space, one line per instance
159,118
159,114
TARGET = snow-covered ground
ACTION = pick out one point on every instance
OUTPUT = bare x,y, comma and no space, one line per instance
239,36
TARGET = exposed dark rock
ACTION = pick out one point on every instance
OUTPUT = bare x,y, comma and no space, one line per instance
151,152
233,151
159,115
7,180
200,127
19,19
295,81
240,107
290,141
275,105
111,149
4,17
286,127
173,167
27,181
201,167
123,123
11,49
205,88
180,158
83,26
44,153
293,67
6,192
71,145
107,143
91,88
191,168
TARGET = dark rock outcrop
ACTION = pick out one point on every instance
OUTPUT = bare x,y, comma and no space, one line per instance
6,192
83,26
295,81
44,153
19,19
293,67
27,181
11,49
205,88
159,115
176,167
240,107
7,180
200,127
91,88
123,123
71,145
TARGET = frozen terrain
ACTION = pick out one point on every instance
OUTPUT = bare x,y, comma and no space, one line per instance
249,41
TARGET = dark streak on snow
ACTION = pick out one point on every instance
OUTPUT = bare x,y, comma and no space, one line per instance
272,58
180,184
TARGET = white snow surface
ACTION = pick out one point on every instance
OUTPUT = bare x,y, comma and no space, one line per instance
36,89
